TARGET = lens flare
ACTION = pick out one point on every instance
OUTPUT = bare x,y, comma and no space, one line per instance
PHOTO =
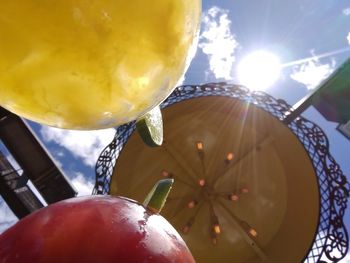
259,70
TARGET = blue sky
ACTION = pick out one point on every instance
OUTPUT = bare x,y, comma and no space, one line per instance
310,38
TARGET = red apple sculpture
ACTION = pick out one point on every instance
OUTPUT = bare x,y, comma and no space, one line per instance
96,229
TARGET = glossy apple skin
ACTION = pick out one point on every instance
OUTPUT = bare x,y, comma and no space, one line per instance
93,229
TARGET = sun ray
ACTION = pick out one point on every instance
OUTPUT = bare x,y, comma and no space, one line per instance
324,55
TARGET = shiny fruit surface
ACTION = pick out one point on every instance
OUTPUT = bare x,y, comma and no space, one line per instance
93,64
93,229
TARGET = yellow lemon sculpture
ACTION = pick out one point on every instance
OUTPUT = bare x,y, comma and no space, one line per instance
93,64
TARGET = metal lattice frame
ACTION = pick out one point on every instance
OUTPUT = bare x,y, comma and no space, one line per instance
331,241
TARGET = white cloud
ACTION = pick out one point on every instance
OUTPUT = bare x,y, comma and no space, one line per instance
346,11
217,42
348,38
7,218
85,145
82,185
347,258
312,72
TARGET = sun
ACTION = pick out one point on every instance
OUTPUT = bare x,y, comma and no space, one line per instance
259,70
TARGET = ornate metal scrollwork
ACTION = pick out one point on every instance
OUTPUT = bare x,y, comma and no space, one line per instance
107,159
331,241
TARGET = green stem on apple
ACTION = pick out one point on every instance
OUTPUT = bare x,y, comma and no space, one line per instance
156,198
